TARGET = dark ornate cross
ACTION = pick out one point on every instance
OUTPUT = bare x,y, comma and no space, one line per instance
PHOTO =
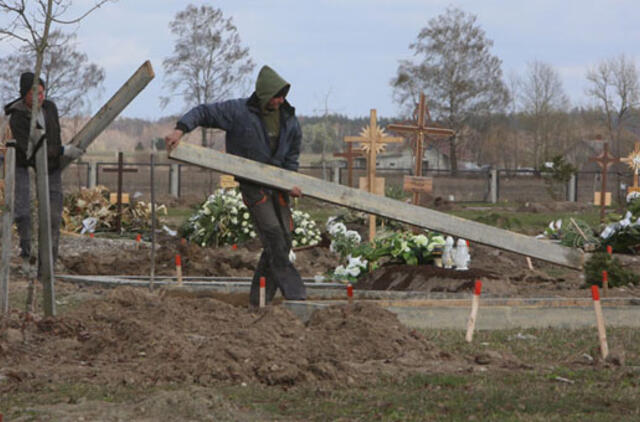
420,129
120,170
349,155
603,160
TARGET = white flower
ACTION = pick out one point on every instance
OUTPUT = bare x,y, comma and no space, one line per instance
303,240
234,210
337,228
358,261
340,271
244,224
245,230
294,243
252,234
353,236
206,211
245,215
234,220
298,230
421,240
353,271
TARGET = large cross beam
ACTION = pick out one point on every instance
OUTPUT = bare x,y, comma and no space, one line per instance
372,141
420,130
379,205
112,108
603,160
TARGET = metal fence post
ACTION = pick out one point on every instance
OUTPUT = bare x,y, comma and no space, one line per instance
572,188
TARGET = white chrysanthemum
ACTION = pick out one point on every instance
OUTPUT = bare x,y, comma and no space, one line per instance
245,216
234,220
340,271
244,224
206,211
421,240
252,234
353,271
298,230
294,243
337,228
358,261
245,230
353,236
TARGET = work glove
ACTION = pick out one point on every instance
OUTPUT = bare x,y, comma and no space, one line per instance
72,151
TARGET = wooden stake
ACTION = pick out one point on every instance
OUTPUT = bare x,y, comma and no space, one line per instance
45,255
529,263
153,221
263,296
605,283
350,293
7,221
609,249
475,302
138,240
179,269
602,334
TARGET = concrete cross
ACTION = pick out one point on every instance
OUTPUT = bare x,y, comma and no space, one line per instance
603,160
372,141
420,129
349,155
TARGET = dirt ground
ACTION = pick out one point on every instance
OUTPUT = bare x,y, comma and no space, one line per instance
503,274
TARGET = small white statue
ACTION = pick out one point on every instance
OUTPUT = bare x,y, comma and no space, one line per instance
461,256
447,253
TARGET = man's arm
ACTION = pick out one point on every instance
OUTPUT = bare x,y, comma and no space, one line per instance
215,115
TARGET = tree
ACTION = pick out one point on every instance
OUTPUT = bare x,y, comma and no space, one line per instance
613,83
208,60
65,71
30,23
543,99
455,69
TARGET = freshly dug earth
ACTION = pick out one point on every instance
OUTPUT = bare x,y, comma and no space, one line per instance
503,274
131,336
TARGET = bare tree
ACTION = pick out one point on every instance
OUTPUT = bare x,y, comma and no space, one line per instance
456,70
208,60
543,99
65,71
613,83
29,23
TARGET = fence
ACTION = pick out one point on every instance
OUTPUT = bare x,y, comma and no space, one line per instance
192,183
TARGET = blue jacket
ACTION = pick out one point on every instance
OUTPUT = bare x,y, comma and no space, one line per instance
246,135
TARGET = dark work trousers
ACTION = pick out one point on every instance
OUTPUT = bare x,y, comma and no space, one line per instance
272,218
23,209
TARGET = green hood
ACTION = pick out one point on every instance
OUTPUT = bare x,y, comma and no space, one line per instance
268,84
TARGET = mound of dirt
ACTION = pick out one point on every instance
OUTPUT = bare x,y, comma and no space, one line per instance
134,337
422,278
97,256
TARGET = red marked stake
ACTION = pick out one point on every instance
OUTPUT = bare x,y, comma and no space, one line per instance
138,240
602,334
605,283
179,269
91,235
609,250
350,293
263,286
475,303
234,247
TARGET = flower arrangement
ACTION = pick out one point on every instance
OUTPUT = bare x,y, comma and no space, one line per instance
623,233
357,258
223,219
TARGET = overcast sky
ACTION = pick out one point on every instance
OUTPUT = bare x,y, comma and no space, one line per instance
349,49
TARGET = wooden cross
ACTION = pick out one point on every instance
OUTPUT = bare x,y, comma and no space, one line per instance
372,140
120,170
633,160
349,155
603,160
420,129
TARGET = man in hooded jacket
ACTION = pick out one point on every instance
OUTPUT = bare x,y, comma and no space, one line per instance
19,112
263,128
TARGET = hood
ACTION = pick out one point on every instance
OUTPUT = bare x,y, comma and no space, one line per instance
268,84
15,105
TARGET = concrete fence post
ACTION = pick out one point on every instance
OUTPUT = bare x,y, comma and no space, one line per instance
572,188
493,191
93,175
336,172
175,180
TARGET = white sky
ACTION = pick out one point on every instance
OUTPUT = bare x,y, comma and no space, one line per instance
350,48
